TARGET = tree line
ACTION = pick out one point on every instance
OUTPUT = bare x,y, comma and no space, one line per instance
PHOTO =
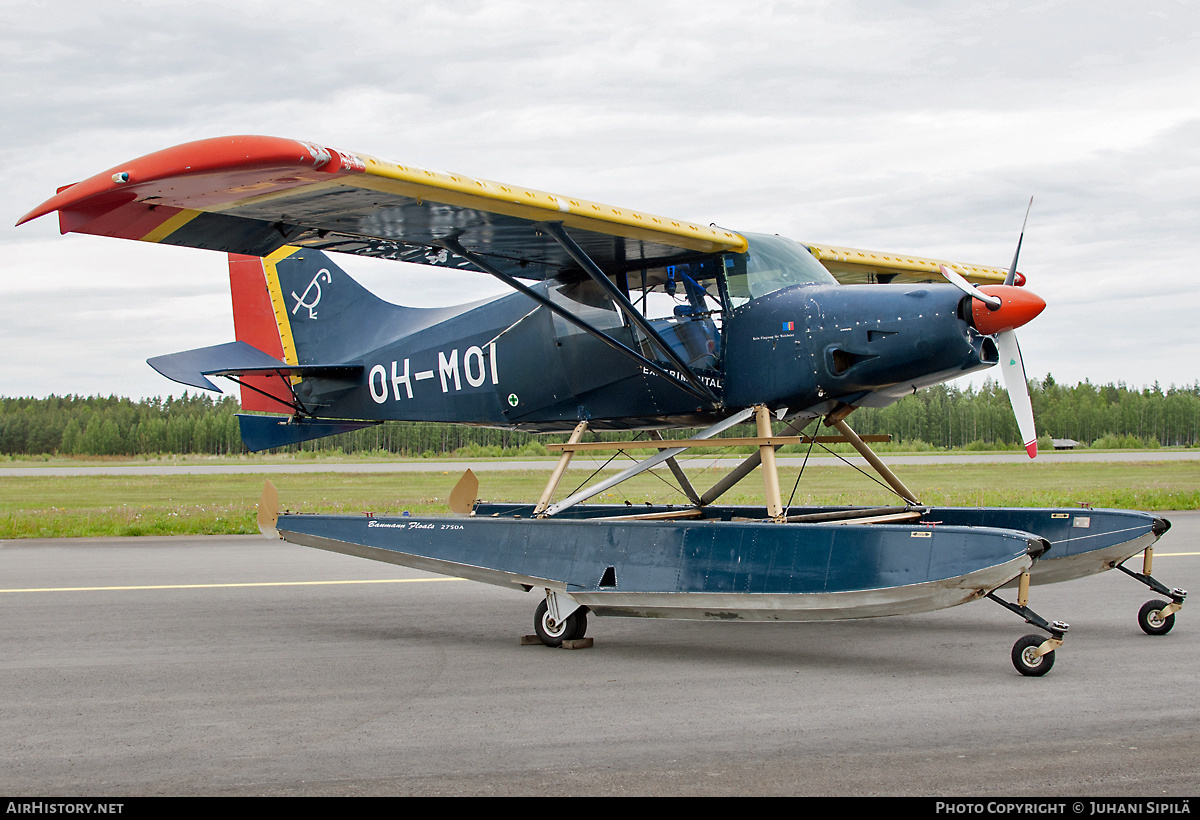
943,416
1111,415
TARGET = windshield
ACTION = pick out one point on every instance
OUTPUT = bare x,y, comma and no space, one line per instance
771,263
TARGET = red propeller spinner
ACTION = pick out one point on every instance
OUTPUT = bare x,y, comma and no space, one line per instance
1017,307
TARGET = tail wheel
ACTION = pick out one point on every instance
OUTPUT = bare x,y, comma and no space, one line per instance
1026,659
552,632
1151,620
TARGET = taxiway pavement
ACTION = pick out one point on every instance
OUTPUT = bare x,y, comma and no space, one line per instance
241,666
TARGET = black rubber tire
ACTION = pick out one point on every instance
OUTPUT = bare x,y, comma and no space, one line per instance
1025,662
1151,621
577,619
553,634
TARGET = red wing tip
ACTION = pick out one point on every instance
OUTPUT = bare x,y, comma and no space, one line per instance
1031,448
217,154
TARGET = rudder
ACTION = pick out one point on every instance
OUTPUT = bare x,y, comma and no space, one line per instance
255,322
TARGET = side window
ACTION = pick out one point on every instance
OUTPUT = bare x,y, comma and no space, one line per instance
683,304
589,302
677,290
737,284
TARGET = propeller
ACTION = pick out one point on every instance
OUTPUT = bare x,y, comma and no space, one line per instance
1013,368
998,310
1012,272
957,279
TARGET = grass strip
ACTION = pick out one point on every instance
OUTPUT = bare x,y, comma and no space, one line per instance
78,506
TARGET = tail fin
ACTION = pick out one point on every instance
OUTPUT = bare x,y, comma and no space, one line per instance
301,308
254,322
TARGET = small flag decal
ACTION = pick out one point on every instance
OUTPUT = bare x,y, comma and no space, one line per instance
789,325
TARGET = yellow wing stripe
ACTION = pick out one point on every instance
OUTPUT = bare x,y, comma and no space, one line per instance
853,260
512,200
524,203
171,225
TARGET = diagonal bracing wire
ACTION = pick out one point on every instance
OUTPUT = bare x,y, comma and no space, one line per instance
796,486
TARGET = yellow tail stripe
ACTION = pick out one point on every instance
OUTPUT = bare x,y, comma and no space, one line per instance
282,321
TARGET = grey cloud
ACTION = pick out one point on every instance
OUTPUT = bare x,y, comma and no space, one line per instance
920,127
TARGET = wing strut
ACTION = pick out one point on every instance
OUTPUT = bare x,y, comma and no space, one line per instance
556,230
452,244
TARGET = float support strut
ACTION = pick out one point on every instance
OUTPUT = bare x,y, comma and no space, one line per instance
559,469
874,461
766,454
745,468
679,474
642,466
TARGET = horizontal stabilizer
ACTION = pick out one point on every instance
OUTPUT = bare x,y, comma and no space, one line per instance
190,367
265,432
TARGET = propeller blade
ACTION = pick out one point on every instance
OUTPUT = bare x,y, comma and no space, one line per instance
1012,272
966,287
1017,385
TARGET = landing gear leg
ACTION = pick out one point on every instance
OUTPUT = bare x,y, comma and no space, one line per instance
1033,655
558,619
1155,617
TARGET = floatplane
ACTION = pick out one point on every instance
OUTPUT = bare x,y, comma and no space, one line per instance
618,320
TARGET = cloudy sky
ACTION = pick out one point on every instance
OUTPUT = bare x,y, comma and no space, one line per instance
920,127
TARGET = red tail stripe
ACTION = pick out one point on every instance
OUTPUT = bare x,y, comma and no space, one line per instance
254,323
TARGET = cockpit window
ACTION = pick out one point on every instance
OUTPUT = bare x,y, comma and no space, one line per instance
685,302
682,303
771,263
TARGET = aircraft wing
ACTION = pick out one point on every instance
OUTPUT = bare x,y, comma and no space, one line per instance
251,195
851,266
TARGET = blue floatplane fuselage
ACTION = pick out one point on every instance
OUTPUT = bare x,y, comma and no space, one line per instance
769,326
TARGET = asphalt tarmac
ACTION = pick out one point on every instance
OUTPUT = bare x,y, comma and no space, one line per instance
241,666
